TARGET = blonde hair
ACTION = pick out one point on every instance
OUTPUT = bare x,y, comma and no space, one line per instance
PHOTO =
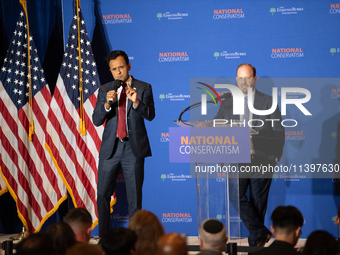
148,229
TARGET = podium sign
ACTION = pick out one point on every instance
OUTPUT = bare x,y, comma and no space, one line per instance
209,145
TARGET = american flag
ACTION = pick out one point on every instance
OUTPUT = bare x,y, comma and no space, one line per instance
26,167
76,154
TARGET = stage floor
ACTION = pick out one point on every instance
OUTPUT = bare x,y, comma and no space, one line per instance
191,240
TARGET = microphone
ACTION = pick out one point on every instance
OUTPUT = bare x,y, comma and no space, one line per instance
116,86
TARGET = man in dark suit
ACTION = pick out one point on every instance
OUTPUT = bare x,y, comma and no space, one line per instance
212,237
266,149
125,142
287,223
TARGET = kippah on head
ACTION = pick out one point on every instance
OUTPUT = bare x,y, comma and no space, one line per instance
213,226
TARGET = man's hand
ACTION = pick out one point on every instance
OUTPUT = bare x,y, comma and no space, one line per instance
131,93
110,96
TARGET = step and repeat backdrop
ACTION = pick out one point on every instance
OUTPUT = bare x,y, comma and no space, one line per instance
173,45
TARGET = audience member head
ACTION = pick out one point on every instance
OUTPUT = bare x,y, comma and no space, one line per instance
35,244
148,229
172,244
85,249
212,235
120,241
320,243
287,223
80,220
62,236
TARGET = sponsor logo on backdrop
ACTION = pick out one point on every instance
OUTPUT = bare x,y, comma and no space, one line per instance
176,217
164,137
287,177
171,16
295,135
119,217
228,14
335,93
120,178
287,53
229,55
334,135
231,218
175,177
116,19
284,10
173,97
293,95
334,50
335,9
173,56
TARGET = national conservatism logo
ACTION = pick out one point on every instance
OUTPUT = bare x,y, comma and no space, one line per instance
174,56
176,217
287,53
335,8
116,18
228,14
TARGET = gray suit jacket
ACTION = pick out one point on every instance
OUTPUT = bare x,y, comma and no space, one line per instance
271,138
135,119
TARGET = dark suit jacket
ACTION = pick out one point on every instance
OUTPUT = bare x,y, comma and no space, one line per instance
135,119
270,140
277,248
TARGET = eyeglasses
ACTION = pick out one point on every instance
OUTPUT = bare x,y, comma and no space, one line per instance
247,79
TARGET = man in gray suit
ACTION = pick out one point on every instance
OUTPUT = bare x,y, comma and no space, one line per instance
266,149
125,142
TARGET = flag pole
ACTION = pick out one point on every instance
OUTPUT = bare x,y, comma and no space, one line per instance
30,111
82,129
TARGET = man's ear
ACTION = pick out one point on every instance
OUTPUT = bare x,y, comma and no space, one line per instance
337,220
298,232
88,231
201,243
272,229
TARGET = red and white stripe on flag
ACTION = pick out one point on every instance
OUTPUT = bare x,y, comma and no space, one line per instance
26,167
76,155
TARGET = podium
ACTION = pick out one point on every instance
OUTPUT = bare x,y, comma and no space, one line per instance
217,195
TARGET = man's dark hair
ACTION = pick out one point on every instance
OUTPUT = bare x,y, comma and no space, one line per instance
287,218
78,215
35,244
119,241
320,243
115,54
62,236
246,64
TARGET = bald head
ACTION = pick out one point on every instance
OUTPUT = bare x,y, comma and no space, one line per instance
172,244
212,235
